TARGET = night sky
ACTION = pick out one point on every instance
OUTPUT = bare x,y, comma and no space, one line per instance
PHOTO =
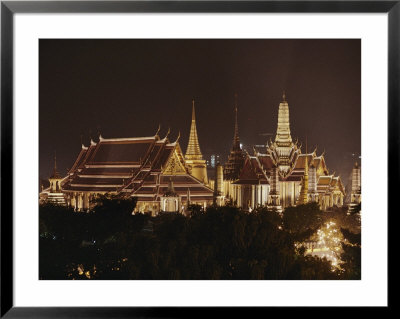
126,88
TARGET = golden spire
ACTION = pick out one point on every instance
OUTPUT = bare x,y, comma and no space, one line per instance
193,148
283,129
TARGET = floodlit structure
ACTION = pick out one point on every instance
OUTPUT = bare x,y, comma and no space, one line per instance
156,172
280,175
53,194
141,167
194,159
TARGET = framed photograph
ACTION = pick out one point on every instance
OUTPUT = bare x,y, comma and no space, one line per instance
165,157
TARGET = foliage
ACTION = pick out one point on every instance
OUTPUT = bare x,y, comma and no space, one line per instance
217,243
303,220
351,255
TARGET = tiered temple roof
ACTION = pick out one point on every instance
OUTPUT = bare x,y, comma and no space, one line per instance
252,172
141,167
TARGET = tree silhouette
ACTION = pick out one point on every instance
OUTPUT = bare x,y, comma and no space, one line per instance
222,243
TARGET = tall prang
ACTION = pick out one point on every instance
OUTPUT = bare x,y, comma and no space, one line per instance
236,157
194,159
283,149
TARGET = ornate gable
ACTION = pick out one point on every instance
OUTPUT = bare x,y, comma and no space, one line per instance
175,164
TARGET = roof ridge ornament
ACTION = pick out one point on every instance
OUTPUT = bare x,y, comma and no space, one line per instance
177,139
169,131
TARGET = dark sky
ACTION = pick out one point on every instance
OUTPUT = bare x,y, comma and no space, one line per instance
128,87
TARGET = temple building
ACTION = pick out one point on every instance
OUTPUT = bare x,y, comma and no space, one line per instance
280,175
155,171
232,168
194,159
53,194
152,169
142,167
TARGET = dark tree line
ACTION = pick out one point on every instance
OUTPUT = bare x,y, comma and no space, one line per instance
219,243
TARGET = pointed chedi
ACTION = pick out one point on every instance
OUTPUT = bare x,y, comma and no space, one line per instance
193,149
194,159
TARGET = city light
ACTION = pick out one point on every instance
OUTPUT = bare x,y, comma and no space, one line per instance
326,243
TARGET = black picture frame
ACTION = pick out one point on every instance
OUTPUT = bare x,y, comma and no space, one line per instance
9,8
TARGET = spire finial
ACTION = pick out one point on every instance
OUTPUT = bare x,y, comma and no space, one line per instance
193,111
55,172
284,96
236,140
236,96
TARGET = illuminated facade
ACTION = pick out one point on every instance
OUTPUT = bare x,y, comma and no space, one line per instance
295,184
141,167
281,175
152,169
194,159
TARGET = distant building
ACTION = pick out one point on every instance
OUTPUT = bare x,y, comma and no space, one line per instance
214,159
53,194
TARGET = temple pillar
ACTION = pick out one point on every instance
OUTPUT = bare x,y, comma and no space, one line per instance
85,201
72,200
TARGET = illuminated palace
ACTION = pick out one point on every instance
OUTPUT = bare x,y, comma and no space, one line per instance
280,175
162,178
152,169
